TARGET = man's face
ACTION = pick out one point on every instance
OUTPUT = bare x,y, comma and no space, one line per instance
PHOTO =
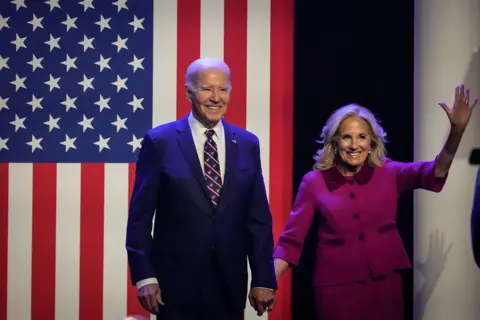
210,96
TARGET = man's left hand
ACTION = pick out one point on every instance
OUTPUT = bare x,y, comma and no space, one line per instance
262,299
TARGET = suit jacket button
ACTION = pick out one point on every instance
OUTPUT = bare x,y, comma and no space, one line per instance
361,237
214,247
352,195
355,215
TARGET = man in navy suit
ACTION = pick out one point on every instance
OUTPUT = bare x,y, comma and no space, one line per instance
202,178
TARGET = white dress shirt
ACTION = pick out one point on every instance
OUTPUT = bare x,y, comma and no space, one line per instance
199,138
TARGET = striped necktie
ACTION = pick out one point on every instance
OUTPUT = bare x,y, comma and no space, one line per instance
213,177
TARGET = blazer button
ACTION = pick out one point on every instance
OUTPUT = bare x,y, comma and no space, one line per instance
361,237
355,215
352,195
214,247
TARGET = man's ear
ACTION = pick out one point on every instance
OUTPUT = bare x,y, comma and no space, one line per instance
188,94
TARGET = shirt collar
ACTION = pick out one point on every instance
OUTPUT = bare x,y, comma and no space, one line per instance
335,179
198,129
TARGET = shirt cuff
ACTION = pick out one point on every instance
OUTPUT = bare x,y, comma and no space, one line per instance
144,282
262,288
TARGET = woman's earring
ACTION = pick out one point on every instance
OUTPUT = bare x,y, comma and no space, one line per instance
335,151
370,151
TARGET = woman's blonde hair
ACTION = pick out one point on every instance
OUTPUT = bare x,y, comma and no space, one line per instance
325,156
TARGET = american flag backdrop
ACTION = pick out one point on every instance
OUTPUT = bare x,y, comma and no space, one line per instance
80,84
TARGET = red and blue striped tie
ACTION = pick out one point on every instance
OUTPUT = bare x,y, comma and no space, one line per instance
212,168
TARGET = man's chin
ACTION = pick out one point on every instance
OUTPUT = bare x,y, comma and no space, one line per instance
210,122
217,114
214,118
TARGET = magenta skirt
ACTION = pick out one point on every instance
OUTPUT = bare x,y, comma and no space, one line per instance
374,299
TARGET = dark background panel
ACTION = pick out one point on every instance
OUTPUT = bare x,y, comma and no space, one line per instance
352,52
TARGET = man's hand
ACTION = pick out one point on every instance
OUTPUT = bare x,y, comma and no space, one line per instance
150,297
262,299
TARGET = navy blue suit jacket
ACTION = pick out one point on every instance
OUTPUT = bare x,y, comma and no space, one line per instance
187,228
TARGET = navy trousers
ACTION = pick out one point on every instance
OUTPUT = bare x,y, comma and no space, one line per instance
212,302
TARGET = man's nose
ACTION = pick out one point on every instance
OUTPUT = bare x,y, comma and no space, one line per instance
215,96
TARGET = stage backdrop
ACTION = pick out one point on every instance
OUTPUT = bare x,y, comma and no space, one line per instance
352,52
447,281
81,83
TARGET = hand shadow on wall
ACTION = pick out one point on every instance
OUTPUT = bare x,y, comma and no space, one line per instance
431,270
471,137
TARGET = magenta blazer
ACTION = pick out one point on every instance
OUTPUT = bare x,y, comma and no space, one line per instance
357,234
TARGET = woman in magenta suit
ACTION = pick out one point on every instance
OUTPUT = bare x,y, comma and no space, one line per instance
353,191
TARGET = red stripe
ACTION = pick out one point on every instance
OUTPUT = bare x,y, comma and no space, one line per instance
210,156
3,238
211,168
44,205
188,47
281,135
133,306
213,191
92,204
235,55
213,180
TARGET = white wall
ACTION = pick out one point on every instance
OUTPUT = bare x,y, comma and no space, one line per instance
447,284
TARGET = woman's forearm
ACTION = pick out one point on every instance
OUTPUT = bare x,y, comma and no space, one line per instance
446,156
280,266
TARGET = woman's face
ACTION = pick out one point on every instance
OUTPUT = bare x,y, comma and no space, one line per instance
354,142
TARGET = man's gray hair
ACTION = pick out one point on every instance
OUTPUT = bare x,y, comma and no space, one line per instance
191,75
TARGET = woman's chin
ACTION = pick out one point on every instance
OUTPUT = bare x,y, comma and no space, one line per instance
354,165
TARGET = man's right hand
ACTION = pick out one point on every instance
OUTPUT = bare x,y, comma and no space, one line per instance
150,297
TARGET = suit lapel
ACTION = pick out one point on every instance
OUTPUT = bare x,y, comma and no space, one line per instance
231,157
185,140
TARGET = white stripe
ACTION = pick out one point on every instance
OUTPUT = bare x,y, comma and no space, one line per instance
67,251
19,260
164,64
258,90
258,77
164,61
212,27
115,256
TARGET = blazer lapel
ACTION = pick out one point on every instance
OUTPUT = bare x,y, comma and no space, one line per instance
185,140
231,157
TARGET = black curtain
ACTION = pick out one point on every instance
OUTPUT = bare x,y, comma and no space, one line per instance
352,51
